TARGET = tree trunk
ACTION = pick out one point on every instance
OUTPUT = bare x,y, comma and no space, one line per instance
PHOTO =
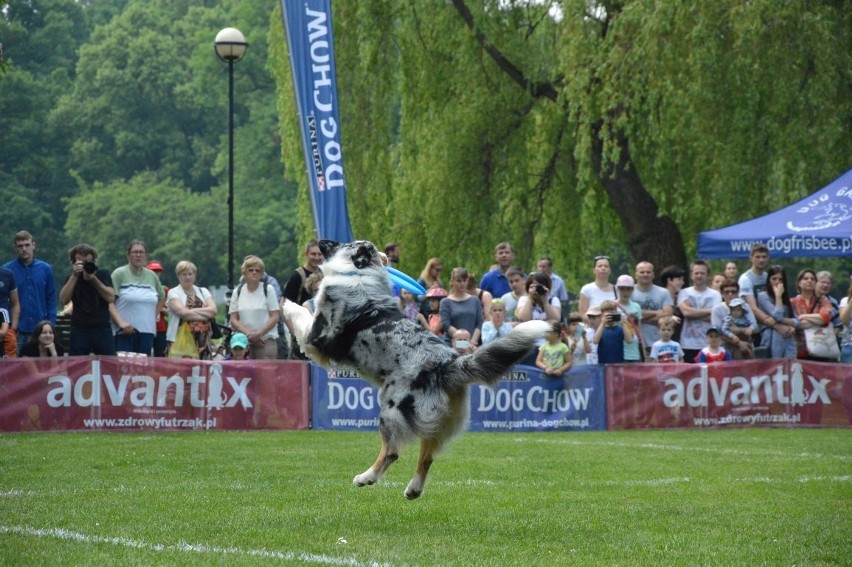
650,237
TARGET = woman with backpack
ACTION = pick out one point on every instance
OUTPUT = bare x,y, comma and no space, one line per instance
254,310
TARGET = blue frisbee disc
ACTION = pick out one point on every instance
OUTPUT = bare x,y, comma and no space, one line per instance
405,281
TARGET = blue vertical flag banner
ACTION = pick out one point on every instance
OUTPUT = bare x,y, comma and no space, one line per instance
310,41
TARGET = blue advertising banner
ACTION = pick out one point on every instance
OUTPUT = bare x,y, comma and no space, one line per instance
342,400
524,400
529,400
311,44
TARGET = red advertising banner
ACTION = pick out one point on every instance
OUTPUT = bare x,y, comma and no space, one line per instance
142,393
773,392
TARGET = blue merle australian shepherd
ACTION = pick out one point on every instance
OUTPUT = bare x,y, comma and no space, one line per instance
424,383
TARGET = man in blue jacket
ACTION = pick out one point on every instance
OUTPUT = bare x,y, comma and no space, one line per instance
36,288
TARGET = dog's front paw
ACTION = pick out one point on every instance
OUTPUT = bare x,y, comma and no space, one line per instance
366,478
414,489
412,494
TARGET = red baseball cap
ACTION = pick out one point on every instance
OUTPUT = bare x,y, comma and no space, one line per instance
155,266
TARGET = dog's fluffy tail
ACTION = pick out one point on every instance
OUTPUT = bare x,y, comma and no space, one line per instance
491,361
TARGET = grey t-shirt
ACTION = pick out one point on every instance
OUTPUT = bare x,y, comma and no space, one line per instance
654,299
465,314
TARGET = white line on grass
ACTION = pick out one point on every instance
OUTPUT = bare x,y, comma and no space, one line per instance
663,447
68,535
7,493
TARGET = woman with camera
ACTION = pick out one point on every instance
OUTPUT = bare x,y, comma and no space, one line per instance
535,305
90,290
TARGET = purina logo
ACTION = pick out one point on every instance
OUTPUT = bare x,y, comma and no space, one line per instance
146,391
821,213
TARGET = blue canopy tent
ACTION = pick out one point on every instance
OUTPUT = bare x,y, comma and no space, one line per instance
817,226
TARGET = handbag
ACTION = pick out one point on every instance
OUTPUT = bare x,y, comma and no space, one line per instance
184,345
215,331
821,343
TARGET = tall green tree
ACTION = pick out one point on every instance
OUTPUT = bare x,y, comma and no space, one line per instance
104,216
151,96
618,126
40,42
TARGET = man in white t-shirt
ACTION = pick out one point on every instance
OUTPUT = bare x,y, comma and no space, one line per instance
696,303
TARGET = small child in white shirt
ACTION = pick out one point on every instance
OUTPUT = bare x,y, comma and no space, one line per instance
665,349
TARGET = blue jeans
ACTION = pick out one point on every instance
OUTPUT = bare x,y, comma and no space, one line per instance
143,343
94,340
846,354
23,339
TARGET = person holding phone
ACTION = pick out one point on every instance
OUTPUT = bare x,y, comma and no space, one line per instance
612,334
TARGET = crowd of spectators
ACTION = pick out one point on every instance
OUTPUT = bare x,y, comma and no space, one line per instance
638,318
717,317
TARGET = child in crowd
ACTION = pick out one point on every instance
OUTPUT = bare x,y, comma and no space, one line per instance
554,357
739,326
631,315
714,351
665,349
239,346
612,334
497,326
517,281
594,317
577,340
408,305
433,319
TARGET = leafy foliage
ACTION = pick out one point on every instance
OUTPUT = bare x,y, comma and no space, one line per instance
109,215
464,124
119,112
471,123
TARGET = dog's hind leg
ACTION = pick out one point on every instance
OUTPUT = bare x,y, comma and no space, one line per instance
427,453
387,456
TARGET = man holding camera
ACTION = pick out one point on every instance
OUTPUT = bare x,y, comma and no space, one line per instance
90,288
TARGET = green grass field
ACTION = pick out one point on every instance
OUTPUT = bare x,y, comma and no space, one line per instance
732,497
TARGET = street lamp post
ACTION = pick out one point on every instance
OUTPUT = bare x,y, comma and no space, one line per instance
230,46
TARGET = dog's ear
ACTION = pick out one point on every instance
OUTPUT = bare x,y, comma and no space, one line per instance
328,247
